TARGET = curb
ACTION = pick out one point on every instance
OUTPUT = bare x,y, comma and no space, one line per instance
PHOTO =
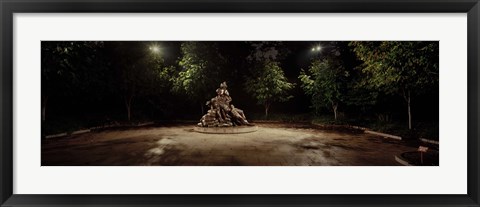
145,124
400,158
402,161
104,126
266,121
331,126
365,130
429,141
83,131
360,128
368,131
56,135
383,134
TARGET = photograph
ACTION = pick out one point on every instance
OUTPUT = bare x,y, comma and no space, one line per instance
239,103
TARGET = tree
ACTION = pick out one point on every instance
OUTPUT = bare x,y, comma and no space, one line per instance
268,84
325,83
200,74
138,71
404,68
71,66
266,81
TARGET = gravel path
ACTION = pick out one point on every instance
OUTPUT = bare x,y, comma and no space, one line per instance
272,145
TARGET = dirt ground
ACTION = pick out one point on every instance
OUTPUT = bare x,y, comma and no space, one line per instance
177,144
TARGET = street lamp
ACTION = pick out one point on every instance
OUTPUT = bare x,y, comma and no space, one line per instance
317,48
155,49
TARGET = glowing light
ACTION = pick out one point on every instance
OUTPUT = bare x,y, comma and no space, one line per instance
155,49
316,48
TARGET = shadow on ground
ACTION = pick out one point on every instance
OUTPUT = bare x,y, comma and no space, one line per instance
272,145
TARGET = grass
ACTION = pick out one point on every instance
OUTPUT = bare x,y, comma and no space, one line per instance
420,129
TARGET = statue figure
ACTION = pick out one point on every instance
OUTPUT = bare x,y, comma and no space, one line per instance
239,116
222,113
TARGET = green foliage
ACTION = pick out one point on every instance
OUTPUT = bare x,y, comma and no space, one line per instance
160,75
136,72
70,65
268,84
395,67
356,79
322,85
331,82
69,69
200,71
326,83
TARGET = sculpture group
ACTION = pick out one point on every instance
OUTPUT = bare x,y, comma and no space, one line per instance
222,113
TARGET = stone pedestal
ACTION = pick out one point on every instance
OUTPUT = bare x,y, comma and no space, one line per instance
226,130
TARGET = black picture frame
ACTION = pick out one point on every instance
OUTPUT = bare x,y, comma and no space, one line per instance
9,7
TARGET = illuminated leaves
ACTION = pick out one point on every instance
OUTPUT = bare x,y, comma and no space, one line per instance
392,66
323,83
200,67
268,84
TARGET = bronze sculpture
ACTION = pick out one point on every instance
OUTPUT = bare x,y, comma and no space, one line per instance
222,113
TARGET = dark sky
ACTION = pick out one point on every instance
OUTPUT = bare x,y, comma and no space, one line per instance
299,55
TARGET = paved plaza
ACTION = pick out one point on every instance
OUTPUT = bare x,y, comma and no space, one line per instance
273,144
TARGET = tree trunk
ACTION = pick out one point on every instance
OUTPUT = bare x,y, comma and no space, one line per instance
335,107
128,104
44,108
201,108
267,106
409,112
406,95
